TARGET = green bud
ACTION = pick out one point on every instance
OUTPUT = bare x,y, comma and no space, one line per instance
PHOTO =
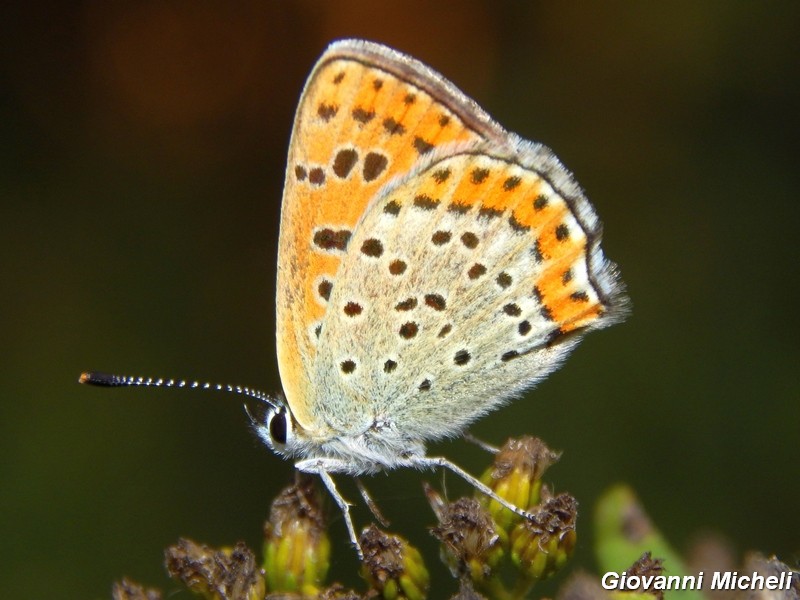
542,545
626,595
471,544
296,545
393,567
516,477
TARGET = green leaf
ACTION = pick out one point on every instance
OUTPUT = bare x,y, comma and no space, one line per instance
623,532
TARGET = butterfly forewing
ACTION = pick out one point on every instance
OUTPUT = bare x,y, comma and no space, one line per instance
366,116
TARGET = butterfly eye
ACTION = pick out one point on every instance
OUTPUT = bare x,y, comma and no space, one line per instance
279,427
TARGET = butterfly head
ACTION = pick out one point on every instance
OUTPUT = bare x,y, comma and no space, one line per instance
273,421
278,429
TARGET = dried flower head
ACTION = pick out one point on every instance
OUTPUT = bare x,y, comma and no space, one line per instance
216,574
393,567
542,545
129,590
470,543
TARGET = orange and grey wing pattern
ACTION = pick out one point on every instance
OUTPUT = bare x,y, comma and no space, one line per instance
367,115
467,281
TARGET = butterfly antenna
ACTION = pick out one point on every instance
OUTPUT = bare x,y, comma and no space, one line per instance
109,380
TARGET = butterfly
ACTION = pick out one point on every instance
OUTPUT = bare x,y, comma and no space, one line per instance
432,266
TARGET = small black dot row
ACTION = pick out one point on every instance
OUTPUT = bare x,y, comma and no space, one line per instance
374,165
478,270
377,84
434,301
331,239
348,366
442,237
460,358
513,310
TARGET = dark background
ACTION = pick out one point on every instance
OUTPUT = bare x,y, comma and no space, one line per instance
142,149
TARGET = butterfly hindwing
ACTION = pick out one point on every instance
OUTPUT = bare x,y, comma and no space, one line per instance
465,282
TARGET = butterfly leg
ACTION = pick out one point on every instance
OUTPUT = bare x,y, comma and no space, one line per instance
485,446
318,467
440,461
371,504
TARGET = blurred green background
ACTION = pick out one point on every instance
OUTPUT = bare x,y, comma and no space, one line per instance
142,149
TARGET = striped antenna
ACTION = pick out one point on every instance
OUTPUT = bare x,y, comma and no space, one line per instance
109,380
